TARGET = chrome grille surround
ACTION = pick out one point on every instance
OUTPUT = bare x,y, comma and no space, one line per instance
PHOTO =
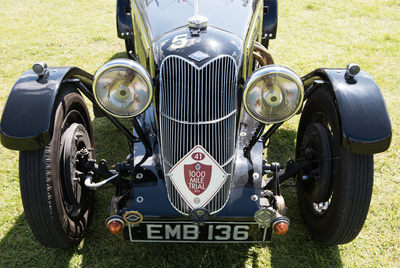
198,106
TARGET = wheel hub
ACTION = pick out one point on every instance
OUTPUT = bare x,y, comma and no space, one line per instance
317,184
74,139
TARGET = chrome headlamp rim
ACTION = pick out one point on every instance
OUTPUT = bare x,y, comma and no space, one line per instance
258,74
126,63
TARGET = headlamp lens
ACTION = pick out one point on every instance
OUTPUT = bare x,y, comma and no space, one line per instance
123,90
273,94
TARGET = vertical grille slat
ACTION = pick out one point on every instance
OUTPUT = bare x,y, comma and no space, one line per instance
198,107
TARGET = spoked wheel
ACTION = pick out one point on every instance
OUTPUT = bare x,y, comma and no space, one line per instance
57,205
334,193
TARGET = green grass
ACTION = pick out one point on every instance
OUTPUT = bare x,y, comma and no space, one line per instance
311,34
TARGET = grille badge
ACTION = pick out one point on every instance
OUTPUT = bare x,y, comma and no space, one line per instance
199,215
199,56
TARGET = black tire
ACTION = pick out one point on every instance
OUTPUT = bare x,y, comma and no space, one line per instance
335,195
56,218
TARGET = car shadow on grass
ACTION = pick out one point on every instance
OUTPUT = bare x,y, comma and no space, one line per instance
19,248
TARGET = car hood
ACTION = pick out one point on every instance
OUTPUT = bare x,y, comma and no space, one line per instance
160,17
212,44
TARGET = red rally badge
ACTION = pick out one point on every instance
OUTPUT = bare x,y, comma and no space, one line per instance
197,177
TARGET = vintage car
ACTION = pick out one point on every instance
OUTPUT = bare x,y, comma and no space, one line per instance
203,96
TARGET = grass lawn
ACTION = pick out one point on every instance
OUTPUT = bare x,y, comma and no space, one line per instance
311,34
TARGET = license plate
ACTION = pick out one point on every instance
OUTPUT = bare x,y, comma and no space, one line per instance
155,231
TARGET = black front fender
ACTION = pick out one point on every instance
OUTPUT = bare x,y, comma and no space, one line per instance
26,122
365,122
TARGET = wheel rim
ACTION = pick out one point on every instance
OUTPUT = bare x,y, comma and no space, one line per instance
74,138
315,181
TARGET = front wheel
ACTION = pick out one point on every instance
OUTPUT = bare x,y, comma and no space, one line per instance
57,205
335,192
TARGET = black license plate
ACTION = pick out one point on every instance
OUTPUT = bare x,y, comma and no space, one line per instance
223,232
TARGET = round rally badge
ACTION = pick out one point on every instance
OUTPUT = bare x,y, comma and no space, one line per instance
133,217
198,167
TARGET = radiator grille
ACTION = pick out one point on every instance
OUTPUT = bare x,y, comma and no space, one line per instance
198,107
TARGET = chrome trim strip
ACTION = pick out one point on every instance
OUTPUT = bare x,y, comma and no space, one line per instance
223,165
207,222
199,242
202,66
136,11
252,34
199,123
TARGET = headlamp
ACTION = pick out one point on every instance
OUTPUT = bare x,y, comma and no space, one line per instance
273,94
123,88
